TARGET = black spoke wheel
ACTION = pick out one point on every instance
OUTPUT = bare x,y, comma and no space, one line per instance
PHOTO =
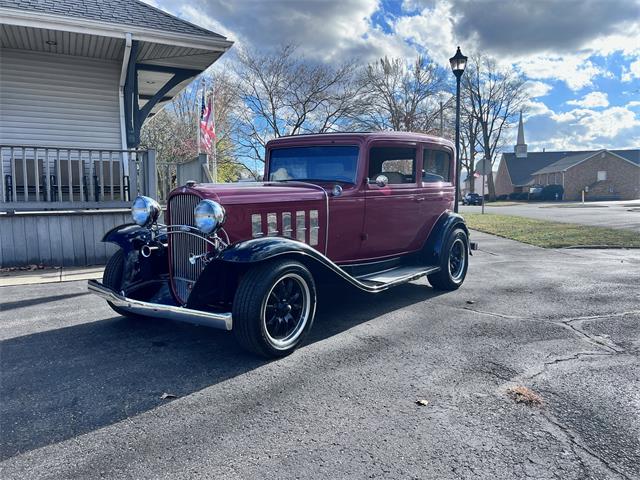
457,259
454,262
273,308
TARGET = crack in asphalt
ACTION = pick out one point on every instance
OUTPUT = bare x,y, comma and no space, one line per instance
571,323
572,439
555,361
495,314
610,349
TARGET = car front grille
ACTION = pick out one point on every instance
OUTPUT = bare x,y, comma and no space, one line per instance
184,244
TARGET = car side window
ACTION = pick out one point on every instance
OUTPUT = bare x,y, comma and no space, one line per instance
398,164
436,166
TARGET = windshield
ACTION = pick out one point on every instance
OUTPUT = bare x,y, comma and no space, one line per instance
326,163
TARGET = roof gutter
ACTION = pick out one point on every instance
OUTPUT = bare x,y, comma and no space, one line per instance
123,77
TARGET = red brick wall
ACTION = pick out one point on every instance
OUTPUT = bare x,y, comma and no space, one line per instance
502,181
623,177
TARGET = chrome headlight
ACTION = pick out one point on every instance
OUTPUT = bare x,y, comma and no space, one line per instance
209,216
145,211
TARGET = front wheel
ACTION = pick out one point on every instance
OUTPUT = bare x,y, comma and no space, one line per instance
112,276
454,262
274,308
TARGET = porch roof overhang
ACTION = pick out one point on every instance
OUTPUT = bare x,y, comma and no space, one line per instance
164,62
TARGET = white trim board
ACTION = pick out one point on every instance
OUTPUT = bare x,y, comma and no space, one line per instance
24,18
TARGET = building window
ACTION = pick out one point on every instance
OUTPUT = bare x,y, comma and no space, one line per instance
602,175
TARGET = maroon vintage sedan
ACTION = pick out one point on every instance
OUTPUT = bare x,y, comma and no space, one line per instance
372,210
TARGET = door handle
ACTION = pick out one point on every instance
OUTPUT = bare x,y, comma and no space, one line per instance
419,199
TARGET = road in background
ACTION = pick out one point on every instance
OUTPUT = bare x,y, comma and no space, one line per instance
81,388
601,214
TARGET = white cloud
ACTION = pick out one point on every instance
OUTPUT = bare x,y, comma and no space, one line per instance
633,103
575,70
591,100
537,89
534,109
432,30
327,31
613,127
632,72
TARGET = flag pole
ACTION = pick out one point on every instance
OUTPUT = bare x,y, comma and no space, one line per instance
199,106
214,161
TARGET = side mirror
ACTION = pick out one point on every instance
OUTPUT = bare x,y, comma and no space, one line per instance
382,180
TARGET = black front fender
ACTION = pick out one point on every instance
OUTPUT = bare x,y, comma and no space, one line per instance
128,237
138,269
259,249
218,281
243,254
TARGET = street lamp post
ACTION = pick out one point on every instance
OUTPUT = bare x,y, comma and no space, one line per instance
458,63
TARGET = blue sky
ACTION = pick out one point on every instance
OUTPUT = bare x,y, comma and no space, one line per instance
581,58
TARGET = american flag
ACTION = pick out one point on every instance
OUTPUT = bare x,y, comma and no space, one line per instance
207,126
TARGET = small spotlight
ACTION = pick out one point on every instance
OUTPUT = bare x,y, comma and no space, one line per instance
51,42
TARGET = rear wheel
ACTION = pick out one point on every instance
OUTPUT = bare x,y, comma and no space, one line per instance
274,308
454,262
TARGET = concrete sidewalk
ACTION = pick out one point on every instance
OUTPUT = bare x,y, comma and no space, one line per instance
49,275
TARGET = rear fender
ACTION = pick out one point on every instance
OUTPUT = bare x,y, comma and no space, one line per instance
433,248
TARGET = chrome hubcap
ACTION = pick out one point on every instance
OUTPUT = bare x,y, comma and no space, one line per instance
285,311
457,259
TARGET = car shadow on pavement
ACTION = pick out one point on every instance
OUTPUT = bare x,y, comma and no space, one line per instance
31,302
58,384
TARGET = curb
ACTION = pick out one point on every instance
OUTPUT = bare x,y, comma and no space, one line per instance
51,276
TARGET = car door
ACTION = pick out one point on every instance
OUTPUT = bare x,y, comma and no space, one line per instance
391,223
437,185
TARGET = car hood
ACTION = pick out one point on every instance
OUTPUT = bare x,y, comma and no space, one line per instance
245,193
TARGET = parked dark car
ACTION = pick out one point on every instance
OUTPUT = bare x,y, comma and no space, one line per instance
472,198
370,210
535,192
552,193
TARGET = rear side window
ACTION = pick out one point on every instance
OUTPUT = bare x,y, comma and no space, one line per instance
436,166
398,164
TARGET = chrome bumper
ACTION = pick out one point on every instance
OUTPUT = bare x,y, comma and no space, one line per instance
216,320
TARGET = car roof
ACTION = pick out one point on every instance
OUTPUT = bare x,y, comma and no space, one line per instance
308,139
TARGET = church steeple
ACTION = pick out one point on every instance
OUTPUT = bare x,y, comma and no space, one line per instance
521,148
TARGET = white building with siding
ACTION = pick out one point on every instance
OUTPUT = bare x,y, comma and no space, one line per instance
78,78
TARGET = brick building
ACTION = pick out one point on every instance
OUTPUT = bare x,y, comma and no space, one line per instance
602,174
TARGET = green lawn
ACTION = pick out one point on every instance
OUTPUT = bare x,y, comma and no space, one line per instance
550,234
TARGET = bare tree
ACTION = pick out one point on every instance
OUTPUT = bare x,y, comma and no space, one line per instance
173,131
283,94
469,138
495,96
400,96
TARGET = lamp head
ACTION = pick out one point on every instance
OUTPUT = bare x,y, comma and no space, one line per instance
458,63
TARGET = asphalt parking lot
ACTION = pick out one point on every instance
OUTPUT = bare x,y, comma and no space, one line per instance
621,214
81,388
